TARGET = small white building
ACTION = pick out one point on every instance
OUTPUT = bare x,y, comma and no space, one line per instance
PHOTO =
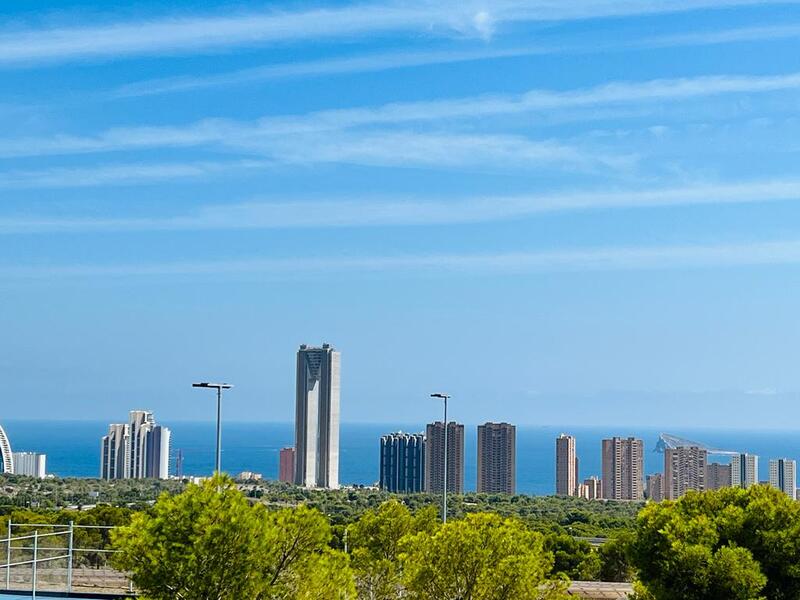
30,464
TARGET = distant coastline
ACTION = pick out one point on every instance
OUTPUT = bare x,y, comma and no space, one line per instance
73,447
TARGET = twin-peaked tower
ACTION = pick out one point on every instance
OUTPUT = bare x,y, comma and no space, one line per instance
316,462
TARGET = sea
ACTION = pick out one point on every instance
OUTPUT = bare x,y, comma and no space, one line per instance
73,448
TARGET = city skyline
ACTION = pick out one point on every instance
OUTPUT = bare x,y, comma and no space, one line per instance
611,193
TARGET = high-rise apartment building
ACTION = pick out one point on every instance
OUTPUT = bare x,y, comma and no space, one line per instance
684,470
593,488
744,470
30,464
137,449
718,476
623,466
434,457
157,444
6,455
402,466
497,458
286,465
317,417
114,452
566,466
783,475
654,488
140,423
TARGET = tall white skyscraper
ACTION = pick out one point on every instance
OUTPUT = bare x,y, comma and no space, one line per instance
6,456
744,470
317,417
114,452
158,452
140,423
783,476
566,466
137,449
30,464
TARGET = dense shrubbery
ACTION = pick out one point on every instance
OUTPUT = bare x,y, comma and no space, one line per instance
17,491
275,541
98,540
734,544
210,542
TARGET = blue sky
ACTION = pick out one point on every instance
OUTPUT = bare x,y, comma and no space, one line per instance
559,212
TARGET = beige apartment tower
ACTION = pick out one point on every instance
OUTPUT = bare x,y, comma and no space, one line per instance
623,466
497,458
684,470
592,488
718,476
434,457
566,466
654,488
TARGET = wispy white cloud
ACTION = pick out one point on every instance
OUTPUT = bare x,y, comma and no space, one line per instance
399,60
372,212
125,174
334,66
592,259
379,148
243,134
181,34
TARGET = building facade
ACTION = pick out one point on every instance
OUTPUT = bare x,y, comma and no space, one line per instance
30,464
783,475
566,466
744,470
684,470
316,444
592,488
140,423
6,455
654,489
286,465
114,452
623,466
434,457
497,458
402,462
157,444
137,449
718,476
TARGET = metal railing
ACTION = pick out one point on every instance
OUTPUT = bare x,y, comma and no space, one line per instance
27,550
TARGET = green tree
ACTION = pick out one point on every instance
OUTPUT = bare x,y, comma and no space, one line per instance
375,542
732,543
198,545
209,543
575,559
615,564
482,557
297,560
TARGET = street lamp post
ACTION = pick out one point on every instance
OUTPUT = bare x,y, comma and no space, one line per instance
219,387
444,397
